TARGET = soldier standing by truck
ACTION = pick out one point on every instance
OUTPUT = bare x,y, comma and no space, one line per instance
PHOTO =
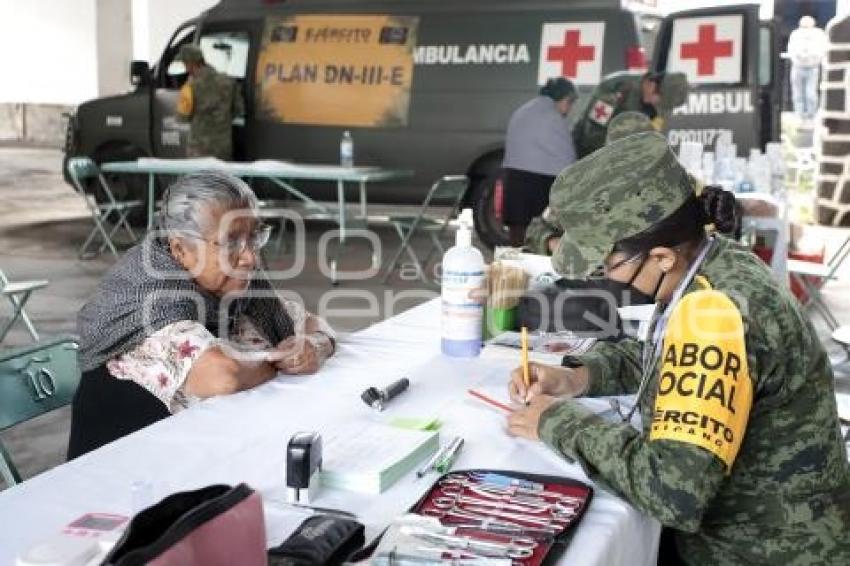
654,94
209,101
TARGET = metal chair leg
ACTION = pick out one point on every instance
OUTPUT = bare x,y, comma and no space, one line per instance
7,469
24,316
122,219
404,237
98,228
436,244
18,311
814,301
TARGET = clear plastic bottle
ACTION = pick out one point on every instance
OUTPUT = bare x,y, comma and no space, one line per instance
346,150
462,276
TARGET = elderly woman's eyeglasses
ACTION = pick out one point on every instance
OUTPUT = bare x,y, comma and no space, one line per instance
235,246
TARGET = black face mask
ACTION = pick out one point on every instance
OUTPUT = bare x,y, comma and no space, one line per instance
587,308
626,294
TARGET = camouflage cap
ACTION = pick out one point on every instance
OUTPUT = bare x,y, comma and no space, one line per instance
674,91
627,123
190,53
615,192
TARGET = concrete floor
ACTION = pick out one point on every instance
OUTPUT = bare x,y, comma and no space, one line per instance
42,223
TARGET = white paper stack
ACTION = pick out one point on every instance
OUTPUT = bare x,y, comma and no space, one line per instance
369,457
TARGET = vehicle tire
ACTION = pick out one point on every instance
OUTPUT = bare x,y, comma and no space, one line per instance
487,199
124,186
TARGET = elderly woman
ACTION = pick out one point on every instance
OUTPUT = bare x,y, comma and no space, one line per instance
185,315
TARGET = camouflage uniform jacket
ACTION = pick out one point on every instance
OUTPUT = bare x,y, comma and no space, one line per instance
619,92
215,101
786,498
539,232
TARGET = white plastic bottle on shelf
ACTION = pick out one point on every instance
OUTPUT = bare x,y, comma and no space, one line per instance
773,150
462,276
346,150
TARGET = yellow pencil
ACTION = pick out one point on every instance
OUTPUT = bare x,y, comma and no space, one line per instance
524,340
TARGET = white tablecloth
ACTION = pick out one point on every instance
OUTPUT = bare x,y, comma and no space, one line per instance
242,438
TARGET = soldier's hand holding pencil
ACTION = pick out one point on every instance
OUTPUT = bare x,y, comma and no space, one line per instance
547,380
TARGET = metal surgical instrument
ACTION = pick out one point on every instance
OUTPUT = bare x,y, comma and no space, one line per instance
552,521
465,514
461,480
553,509
514,549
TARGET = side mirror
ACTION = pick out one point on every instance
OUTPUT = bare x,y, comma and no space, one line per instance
140,73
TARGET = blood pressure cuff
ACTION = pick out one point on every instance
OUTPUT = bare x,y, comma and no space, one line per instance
570,305
320,539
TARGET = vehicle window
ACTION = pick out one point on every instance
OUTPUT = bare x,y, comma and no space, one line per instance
649,26
175,71
227,52
708,48
765,56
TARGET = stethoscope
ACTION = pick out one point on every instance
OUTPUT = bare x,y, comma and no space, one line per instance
651,350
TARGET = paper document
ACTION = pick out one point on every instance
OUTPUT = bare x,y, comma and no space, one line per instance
545,349
369,457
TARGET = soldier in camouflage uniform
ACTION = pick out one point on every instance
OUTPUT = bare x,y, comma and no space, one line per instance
543,233
653,94
742,462
210,101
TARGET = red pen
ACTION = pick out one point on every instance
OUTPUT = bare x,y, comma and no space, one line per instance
489,401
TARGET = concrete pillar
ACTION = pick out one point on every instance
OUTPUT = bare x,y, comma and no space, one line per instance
114,32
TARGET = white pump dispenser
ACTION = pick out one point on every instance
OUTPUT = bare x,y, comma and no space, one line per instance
462,277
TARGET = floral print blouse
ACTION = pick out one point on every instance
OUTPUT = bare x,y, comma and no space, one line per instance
163,361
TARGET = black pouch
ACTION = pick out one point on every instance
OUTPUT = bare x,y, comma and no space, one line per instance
320,539
569,305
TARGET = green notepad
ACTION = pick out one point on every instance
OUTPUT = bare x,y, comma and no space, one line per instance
369,457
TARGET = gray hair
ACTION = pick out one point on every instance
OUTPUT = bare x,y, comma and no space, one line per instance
189,200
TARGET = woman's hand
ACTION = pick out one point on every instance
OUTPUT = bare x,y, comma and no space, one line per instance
524,422
548,380
301,354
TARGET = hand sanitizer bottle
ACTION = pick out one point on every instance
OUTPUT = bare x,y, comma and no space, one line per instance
346,150
462,277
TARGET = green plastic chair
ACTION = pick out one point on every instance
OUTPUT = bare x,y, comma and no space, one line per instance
33,381
81,169
448,191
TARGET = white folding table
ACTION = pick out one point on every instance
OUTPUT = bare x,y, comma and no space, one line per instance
243,437
282,174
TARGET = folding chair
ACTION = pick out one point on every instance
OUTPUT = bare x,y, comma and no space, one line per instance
803,271
83,168
447,191
33,381
18,293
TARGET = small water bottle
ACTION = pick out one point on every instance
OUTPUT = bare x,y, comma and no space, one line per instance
346,150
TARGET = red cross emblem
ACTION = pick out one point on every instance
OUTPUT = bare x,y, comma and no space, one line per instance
571,53
601,112
706,49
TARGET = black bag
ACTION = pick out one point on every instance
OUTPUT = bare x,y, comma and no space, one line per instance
320,539
217,525
572,305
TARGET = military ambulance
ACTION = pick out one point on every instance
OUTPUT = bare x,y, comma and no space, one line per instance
423,85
